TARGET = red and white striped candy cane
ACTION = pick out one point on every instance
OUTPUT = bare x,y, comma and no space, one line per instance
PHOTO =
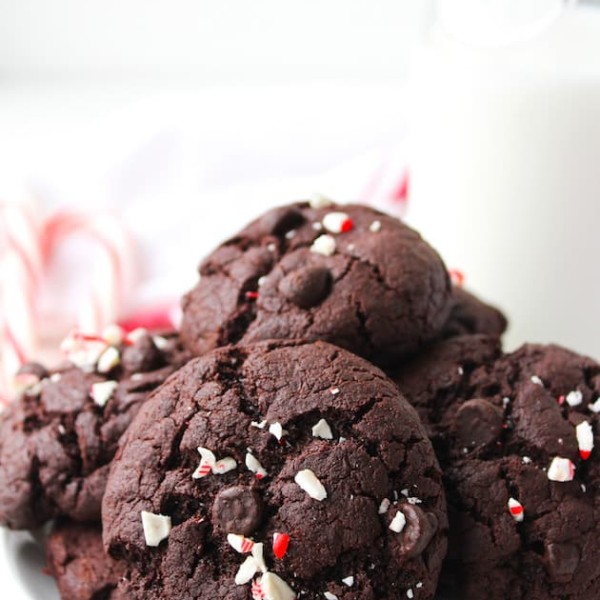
113,267
21,263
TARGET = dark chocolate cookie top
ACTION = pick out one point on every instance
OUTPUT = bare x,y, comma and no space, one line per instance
517,436
57,439
346,274
76,559
277,470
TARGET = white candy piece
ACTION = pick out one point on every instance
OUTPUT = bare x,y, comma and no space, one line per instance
277,430
308,481
102,391
83,353
275,588
398,522
207,462
574,398
595,406
410,594
319,201
160,342
561,469
108,360
113,334
330,596
258,425
324,244
334,221
258,555
246,571
322,430
255,466
240,543
136,335
156,528
349,581
375,226
535,379
515,508
224,466
585,438
384,506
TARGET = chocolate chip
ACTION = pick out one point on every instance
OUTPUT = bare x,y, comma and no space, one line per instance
307,286
237,509
477,423
562,561
417,533
33,368
142,356
280,221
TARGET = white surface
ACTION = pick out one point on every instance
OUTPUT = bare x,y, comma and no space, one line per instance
505,181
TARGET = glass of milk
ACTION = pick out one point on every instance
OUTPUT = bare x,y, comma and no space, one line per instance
505,159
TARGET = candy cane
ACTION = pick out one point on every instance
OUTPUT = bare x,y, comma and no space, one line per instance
113,267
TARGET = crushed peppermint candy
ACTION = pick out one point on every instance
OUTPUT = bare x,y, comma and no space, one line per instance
410,593
317,226
156,528
526,460
83,350
324,244
258,425
108,360
330,596
271,247
209,463
247,571
561,469
113,334
375,226
277,430
419,585
414,500
240,543
505,401
102,391
258,554
254,465
585,439
349,581
516,510
334,391
322,430
337,222
398,522
574,398
273,587
384,506
136,335
308,481
595,406
320,201
281,541
290,234
535,379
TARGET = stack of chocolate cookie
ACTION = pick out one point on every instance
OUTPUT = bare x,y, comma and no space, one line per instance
280,461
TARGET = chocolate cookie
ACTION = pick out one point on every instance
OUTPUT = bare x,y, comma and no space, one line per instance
277,470
58,438
77,561
347,274
516,435
470,315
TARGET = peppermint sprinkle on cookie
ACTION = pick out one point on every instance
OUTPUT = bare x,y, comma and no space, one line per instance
535,379
275,588
209,463
247,571
384,506
255,466
224,466
515,508
410,594
349,581
277,430
574,398
108,360
324,244
320,201
322,430
330,596
156,528
240,543
308,481
398,522
561,469
258,425
102,391
375,226
281,541
585,439
595,406
337,222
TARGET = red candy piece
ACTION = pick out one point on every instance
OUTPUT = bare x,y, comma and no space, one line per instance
561,400
585,454
457,277
347,225
251,295
281,541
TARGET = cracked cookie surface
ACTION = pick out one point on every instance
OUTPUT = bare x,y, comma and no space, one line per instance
58,437
277,470
517,436
346,274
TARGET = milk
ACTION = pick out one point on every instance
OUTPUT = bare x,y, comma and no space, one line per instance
505,160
